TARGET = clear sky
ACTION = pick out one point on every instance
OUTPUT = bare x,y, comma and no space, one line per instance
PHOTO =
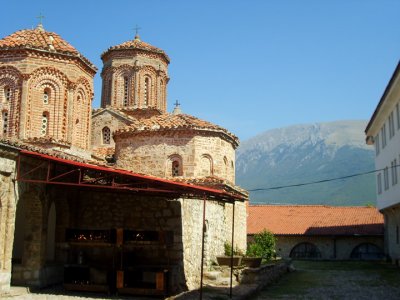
247,65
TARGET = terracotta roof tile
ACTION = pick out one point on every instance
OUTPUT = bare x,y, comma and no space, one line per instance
314,220
175,122
137,44
40,39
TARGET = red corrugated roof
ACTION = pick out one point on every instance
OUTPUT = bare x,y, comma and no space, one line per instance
314,220
174,186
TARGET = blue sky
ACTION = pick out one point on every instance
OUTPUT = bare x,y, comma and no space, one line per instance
248,65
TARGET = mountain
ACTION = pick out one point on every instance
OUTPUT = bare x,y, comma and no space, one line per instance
307,153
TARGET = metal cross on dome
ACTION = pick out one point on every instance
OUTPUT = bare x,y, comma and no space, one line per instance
137,28
40,17
177,104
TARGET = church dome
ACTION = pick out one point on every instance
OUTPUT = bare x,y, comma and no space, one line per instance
137,44
41,40
177,122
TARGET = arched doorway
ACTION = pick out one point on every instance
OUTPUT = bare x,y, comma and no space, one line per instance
367,251
305,251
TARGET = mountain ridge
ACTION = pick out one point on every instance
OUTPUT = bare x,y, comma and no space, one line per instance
306,153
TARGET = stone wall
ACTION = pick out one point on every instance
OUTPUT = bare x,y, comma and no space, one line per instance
217,233
344,245
7,216
153,153
99,122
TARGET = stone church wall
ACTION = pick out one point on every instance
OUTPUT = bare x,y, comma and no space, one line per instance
153,153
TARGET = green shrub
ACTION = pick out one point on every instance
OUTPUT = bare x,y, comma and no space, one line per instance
228,250
262,246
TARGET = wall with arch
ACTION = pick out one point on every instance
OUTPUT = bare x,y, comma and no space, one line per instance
46,97
135,80
199,154
330,247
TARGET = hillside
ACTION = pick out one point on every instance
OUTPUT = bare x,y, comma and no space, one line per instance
306,153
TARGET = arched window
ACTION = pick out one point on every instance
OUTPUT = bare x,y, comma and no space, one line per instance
45,123
367,251
4,118
305,251
146,91
106,135
206,165
108,100
7,93
126,82
46,96
174,165
225,166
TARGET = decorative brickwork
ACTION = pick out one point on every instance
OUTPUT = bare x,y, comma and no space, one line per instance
46,89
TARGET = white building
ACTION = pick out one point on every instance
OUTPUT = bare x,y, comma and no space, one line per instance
383,131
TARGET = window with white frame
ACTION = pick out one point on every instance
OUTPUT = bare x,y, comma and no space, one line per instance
45,124
386,178
383,135
377,146
379,183
391,125
4,117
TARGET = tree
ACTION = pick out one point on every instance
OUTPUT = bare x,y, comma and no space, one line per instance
263,245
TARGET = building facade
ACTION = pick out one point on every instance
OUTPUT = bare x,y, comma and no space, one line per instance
320,232
383,131
128,170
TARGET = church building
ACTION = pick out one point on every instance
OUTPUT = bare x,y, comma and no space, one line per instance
125,198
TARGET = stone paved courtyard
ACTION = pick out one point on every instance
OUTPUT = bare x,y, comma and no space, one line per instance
337,280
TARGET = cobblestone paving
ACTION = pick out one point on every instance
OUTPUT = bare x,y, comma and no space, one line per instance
337,280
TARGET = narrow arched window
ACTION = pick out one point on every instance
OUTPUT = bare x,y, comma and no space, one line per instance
45,123
146,91
176,168
125,91
4,117
106,135
108,100
46,96
7,93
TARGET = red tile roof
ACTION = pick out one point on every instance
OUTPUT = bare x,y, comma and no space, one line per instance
137,44
176,122
314,220
39,39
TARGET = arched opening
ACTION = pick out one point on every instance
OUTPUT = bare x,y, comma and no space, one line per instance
51,234
106,133
305,251
174,166
206,165
225,167
367,251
